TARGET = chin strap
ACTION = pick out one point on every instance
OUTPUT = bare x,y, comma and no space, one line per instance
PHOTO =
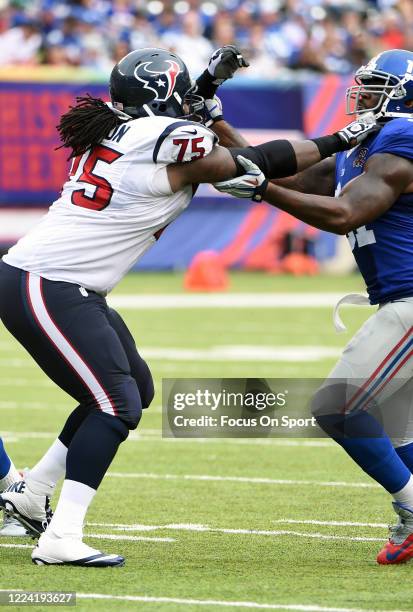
122,116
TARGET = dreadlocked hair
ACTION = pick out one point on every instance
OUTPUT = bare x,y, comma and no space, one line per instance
86,124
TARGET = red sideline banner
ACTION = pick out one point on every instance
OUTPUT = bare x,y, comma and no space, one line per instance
31,170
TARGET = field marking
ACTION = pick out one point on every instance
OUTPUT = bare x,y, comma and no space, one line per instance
162,301
16,546
109,536
17,436
333,523
231,352
11,405
232,531
224,603
26,382
241,479
235,353
139,527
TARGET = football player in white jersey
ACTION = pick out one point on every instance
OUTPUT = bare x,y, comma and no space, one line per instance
135,163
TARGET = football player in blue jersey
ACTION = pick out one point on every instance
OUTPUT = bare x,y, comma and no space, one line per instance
8,476
373,206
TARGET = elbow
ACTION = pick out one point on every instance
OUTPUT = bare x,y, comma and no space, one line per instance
342,222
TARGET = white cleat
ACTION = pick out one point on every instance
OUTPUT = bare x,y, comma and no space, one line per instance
52,550
31,510
11,528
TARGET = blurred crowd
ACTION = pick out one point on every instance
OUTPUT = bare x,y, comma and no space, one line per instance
277,36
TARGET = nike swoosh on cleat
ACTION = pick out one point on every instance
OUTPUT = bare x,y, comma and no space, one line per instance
395,555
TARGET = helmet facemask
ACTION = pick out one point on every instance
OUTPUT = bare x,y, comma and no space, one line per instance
386,86
193,105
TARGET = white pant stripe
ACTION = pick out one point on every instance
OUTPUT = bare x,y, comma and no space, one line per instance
39,308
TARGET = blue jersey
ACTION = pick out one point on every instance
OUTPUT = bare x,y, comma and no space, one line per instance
383,249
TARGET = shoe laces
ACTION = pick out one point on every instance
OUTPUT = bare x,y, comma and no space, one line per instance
399,532
48,511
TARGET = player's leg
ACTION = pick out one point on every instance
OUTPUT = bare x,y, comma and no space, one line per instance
375,366
44,476
8,476
69,336
139,368
52,466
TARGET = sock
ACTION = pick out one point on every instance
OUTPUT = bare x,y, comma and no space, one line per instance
93,447
405,453
405,495
42,478
364,439
69,516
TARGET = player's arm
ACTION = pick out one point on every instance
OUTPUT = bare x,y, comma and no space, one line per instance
277,157
318,179
362,200
315,179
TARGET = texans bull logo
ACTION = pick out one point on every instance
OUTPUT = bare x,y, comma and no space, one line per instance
164,85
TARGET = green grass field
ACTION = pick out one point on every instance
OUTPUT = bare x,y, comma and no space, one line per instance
194,543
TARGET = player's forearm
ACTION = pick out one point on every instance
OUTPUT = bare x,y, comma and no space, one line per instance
318,179
324,212
228,135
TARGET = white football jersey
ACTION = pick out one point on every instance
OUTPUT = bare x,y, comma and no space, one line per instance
114,205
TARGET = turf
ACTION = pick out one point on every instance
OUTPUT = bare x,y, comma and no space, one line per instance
284,569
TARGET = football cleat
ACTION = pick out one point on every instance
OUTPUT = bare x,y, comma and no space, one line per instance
399,548
52,550
11,528
31,510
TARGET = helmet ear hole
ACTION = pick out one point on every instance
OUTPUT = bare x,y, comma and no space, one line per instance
162,108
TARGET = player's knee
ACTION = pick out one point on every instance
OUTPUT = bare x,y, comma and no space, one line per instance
147,389
327,406
130,406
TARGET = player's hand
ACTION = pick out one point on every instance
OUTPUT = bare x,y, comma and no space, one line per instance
224,63
355,132
251,185
213,111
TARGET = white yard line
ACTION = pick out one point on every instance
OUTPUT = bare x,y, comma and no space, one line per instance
233,353
26,382
139,527
230,531
16,546
333,523
109,536
215,602
46,405
242,479
164,301
224,603
236,353
17,436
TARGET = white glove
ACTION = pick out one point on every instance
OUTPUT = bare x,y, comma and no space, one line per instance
214,111
355,132
224,62
251,185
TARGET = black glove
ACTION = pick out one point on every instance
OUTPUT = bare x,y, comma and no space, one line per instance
222,65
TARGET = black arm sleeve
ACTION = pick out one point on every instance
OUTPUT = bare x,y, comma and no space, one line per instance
275,158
